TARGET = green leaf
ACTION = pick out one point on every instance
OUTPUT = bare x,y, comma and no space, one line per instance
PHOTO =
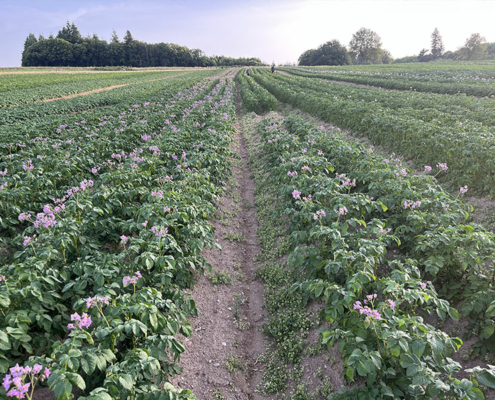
418,348
487,331
126,381
76,380
350,373
454,314
475,394
62,389
88,363
487,378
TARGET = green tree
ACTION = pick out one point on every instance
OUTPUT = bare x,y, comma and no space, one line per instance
30,40
473,48
366,47
49,53
128,39
306,58
115,37
424,56
437,47
387,57
70,33
331,53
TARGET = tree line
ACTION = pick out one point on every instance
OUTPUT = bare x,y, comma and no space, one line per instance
475,48
69,48
365,47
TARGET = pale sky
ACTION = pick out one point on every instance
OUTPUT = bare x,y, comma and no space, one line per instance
273,30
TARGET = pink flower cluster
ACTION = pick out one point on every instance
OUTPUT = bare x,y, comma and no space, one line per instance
127,279
124,239
370,312
28,166
296,194
93,301
17,377
155,150
366,311
305,168
401,172
408,204
319,214
292,173
384,231
463,189
159,232
80,321
45,219
95,170
28,239
309,198
423,285
157,193
442,166
24,216
341,211
427,168
3,173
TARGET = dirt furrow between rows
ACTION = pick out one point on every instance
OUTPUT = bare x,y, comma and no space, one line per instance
220,357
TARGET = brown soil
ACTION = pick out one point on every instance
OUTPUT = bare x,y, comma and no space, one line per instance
218,335
104,89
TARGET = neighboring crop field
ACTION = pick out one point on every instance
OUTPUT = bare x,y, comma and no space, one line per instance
350,266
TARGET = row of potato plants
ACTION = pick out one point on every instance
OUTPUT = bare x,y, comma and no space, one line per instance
51,178
37,113
383,248
467,148
450,109
445,71
95,289
254,97
44,86
480,87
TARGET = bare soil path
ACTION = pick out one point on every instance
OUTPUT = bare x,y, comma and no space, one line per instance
220,357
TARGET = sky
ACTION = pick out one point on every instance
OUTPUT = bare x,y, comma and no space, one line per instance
274,30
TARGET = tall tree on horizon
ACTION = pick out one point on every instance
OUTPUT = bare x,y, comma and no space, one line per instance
473,48
115,37
70,32
437,47
366,46
30,40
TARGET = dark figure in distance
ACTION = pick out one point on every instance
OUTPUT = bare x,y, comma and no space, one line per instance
273,68
248,72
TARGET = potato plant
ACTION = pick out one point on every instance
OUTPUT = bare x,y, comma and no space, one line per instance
360,230
105,219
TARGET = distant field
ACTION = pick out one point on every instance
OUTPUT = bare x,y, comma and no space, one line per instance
476,79
30,70
34,87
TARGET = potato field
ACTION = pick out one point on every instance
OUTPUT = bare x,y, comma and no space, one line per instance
312,233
